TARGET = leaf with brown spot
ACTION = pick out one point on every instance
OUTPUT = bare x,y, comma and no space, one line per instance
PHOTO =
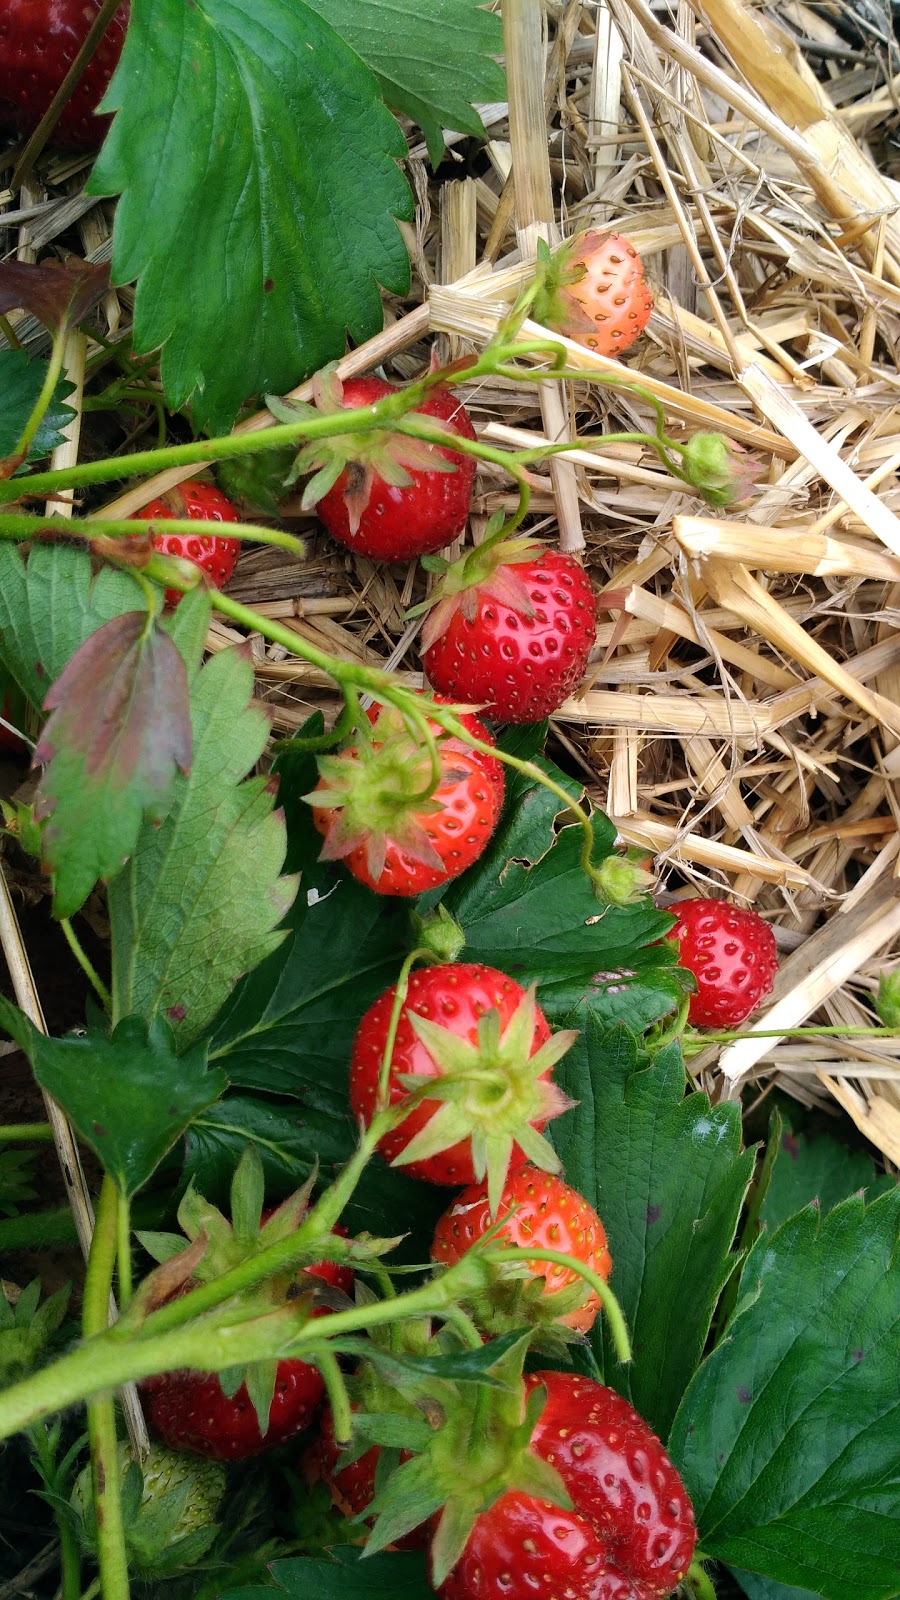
119,731
57,295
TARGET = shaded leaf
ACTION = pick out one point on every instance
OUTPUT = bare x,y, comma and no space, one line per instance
21,382
128,1094
756,1588
431,57
819,1169
398,1575
49,606
57,295
118,732
788,1435
287,165
667,1176
201,898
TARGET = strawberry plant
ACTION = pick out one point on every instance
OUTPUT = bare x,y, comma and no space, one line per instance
344,971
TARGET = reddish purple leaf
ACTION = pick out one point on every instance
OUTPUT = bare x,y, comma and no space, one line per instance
58,296
119,730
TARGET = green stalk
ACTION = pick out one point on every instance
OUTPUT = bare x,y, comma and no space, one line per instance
48,387
400,993
338,1398
113,1358
25,525
617,1325
86,964
699,1581
123,1249
25,1132
112,1557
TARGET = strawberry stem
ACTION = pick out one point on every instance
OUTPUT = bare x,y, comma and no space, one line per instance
48,388
698,1580
85,964
338,1398
402,989
617,1325
101,1413
24,525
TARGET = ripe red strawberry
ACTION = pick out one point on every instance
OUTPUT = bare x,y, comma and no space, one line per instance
526,1546
594,291
511,630
384,495
731,953
488,1048
500,1467
619,1476
368,806
190,1410
39,40
548,1214
215,556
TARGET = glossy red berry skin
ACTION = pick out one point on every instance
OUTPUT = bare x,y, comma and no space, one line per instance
215,556
547,1213
619,1476
523,1547
39,40
733,957
403,523
455,996
515,667
189,1411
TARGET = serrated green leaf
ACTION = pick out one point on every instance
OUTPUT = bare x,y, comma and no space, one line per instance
118,732
788,1435
49,606
819,1169
431,57
21,382
287,173
127,1093
201,898
668,1178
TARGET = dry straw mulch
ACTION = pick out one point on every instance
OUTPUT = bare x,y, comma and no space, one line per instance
741,717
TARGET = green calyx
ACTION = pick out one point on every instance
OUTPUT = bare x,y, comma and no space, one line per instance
620,881
556,270
487,572
479,1451
493,1092
377,453
514,1297
376,792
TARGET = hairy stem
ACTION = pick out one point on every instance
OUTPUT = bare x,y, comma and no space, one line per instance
115,1357
111,1553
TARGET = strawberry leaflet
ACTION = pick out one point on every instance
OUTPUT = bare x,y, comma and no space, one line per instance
278,190
119,730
